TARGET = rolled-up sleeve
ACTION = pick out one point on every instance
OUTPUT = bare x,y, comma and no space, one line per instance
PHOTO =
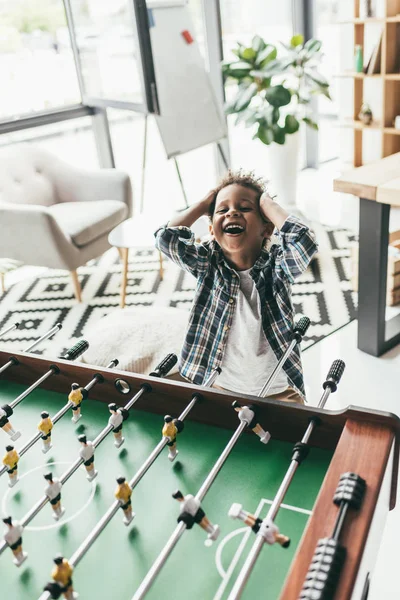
178,243
295,251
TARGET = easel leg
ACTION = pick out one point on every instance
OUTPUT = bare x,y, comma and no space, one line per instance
180,181
161,266
125,257
222,155
143,165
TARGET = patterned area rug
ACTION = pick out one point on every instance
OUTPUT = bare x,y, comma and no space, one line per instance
323,294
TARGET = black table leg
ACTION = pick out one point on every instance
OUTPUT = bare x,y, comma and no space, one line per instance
375,336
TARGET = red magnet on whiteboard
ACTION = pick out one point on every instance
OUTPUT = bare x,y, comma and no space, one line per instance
187,36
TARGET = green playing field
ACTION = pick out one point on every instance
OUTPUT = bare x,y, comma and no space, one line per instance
118,561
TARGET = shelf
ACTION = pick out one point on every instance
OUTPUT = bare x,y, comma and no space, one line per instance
363,21
356,124
391,130
395,19
392,76
357,75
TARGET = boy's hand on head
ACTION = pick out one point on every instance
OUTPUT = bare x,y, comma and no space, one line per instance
207,200
265,204
271,211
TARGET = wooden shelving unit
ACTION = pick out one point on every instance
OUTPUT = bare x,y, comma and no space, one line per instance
389,79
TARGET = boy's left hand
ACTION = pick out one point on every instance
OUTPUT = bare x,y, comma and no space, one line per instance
265,204
271,211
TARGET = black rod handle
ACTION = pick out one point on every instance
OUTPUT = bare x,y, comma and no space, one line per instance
300,328
76,350
335,374
165,366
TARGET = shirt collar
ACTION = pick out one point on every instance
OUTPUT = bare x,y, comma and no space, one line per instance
220,258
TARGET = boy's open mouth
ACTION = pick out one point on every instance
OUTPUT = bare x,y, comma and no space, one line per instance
233,229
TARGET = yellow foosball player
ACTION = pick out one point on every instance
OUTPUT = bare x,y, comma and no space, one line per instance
13,537
62,580
76,396
170,430
45,426
123,493
10,460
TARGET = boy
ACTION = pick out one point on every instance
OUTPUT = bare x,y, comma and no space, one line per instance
242,315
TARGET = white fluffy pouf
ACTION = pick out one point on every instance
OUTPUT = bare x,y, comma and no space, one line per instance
138,337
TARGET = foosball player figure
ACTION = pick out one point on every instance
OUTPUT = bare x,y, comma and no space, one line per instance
62,576
5,412
123,494
248,414
170,430
266,528
10,460
191,512
13,537
118,415
76,396
53,492
87,454
45,426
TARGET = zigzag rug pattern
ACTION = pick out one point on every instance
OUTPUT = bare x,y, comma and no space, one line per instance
323,293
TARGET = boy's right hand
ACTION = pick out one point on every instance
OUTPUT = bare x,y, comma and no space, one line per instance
207,200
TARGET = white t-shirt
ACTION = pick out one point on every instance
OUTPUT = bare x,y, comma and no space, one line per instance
249,359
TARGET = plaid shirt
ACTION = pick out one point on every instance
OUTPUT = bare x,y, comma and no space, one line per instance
217,290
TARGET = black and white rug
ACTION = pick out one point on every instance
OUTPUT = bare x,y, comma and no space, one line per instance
323,294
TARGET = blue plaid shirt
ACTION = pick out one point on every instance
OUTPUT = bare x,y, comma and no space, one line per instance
217,290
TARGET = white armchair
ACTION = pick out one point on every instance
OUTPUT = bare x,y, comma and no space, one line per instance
55,215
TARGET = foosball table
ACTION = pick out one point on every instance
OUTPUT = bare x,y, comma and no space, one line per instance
112,559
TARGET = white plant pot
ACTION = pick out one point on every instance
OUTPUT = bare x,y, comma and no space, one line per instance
283,169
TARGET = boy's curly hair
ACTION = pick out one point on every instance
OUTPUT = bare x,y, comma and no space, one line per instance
246,179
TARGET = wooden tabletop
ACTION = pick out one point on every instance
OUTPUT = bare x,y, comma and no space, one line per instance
379,181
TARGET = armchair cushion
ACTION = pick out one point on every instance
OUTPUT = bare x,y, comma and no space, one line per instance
87,221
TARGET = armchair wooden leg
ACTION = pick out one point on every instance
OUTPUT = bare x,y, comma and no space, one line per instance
161,266
77,285
3,287
121,253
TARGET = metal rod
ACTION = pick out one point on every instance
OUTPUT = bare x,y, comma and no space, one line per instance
57,417
111,512
47,335
159,562
258,544
31,388
176,535
8,329
219,464
275,372
339,521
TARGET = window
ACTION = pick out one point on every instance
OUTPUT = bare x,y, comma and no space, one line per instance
37,69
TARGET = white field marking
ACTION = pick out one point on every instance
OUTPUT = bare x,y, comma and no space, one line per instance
226,575
56,523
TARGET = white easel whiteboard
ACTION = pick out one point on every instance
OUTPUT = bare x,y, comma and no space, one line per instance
189,114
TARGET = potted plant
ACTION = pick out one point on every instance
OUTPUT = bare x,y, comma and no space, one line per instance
274,92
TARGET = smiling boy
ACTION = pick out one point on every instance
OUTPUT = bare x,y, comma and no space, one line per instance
242,315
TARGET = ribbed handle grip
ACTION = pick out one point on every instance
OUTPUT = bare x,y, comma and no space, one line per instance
76,350
334,375
300,328
165,366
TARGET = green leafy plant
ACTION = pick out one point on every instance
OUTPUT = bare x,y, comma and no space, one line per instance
274,91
